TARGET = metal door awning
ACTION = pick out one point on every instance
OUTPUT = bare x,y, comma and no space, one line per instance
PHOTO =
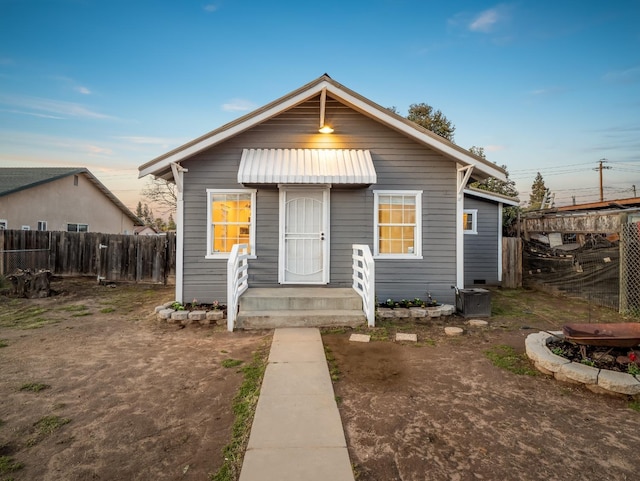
306,166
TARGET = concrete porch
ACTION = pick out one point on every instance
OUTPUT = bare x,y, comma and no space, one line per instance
270,308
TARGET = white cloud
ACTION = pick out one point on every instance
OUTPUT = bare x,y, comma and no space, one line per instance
59,108
238,105
94,149
626,76
160,141
33,114
485,21
211,7
83,90
547,91
494,148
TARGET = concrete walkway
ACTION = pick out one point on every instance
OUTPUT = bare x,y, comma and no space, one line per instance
297,433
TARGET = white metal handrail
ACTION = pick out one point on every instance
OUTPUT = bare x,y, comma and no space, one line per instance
364,280
237,280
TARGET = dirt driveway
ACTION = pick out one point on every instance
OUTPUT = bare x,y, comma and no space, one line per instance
440,410
122,397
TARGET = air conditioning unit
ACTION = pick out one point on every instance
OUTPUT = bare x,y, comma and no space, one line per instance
473,302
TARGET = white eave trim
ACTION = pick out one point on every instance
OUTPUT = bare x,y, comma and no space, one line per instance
377,112
491,196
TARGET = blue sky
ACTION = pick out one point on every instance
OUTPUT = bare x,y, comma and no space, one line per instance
548,86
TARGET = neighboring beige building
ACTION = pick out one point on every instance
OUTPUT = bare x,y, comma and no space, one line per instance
60,199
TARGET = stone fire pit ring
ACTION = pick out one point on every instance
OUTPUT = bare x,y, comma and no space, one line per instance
601,381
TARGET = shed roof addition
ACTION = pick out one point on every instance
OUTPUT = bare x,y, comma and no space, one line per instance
306,166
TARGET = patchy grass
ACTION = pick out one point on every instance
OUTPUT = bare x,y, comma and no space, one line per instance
45,427
107,310
23,317
8,465
3,343
231,363
635,406
39,322
244,407
334,371
73,308
505,357
34,387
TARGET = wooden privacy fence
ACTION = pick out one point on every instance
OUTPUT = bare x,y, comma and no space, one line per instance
511,262
109,257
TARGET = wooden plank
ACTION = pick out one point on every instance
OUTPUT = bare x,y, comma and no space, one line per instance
511,262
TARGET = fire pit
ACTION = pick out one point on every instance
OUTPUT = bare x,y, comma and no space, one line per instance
624,334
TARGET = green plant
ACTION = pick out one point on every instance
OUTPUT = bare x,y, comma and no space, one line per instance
558,351
176,306
634,405
8,465
107,310
505,357
588,362
334,370
633,369
34,386
244,407
3,343
231,362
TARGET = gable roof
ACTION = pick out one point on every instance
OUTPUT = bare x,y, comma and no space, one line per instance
16,179
161,166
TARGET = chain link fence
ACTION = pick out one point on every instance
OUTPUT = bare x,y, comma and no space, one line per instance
630,269
33,259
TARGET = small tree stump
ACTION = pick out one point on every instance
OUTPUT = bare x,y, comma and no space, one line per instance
32,285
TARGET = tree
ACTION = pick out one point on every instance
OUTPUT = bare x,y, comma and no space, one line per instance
433,120
538,193
162,193
424,115
171,224
508,188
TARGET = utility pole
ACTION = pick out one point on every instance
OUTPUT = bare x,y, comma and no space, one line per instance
634,189
601,168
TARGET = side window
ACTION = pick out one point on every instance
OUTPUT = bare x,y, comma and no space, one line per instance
42,225
4,225
77,228
231,220
398,224
470,221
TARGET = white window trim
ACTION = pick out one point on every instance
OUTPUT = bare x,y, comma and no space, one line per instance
252,226
4,224
26,227
474,221
43,223
418,231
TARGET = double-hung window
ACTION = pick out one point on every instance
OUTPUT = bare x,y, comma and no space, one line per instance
398,224
231,220
470,221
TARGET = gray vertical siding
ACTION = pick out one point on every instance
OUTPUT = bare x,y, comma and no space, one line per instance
400,164
481,249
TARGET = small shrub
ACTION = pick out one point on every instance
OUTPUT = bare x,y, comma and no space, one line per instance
633,369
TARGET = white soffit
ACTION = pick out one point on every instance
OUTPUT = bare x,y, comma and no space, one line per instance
306,166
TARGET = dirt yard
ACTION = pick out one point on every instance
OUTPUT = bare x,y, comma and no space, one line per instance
440,410
93,388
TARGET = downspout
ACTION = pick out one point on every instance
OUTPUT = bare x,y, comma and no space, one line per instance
178,176
500,207
462,178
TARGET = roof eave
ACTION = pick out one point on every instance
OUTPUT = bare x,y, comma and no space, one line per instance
482,168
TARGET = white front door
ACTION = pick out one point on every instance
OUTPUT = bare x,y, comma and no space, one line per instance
304,235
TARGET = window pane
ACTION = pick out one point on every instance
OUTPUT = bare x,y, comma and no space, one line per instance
396,224
230,221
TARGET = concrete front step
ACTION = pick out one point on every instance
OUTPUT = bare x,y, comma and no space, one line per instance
299,298
300,318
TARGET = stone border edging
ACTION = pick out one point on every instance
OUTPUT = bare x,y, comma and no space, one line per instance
165,313
594,379
415,312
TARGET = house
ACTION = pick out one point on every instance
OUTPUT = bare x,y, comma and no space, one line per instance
60,199
482,224
144,230
311,181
